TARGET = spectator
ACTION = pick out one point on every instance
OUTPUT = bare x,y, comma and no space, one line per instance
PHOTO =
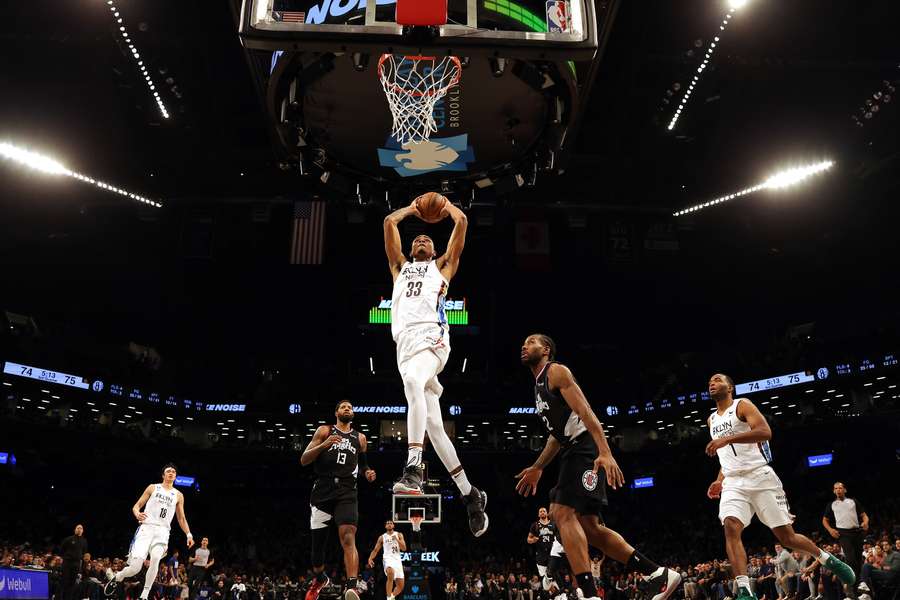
171,580
73,550
846,520
785,570
881,571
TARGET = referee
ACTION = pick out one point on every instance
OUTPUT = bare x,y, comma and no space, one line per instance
846,520
200,564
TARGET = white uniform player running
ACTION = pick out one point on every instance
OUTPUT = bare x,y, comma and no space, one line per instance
420,330
748,486
392,543
154,511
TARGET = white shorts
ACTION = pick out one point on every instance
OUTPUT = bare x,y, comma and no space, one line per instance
432,338
396,565
145,538
759,492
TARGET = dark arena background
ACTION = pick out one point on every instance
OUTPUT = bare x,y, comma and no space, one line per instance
193,199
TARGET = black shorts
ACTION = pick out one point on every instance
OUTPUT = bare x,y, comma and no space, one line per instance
542,559
333,502
577,486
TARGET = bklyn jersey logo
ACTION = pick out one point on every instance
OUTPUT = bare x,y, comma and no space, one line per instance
437,154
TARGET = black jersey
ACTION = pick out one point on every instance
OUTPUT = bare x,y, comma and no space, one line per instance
341,461
545,533
561,422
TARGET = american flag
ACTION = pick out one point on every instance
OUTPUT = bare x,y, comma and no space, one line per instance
289,16
308,240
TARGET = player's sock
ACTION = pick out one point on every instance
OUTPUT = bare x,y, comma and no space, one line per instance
823,556
586,584
462,482
414,458
743,581
642,564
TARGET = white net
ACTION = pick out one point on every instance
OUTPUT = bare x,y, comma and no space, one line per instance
413,85
416,523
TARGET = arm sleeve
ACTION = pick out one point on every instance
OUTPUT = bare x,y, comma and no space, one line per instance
363,462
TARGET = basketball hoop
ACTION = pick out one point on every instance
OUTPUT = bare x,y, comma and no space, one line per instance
413,85
416,521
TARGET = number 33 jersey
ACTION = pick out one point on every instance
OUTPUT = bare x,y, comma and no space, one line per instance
160,507
418,298
341,460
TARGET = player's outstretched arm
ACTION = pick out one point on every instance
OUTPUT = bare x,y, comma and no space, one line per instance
375,551
529,476
141,502
561,378
449,262
320,442
392,244
182,519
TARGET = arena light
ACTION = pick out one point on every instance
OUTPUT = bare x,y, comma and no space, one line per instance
735,5
779,180
136,57
45,164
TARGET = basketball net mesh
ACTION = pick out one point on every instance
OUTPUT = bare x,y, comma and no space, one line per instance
416,523
413,85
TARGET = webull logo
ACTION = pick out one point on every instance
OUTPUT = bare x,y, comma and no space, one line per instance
15,584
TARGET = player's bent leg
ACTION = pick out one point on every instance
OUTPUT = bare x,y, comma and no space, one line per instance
658,582
791,539
156,553
398,587
575,544
733,529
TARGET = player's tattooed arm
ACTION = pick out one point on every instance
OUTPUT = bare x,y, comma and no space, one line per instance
320,442
551,449
368,472
529,476
392,244
449,262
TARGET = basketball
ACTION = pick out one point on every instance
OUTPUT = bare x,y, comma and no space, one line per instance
430,206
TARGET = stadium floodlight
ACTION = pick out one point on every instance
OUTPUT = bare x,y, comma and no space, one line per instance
737,4
779,180
45,164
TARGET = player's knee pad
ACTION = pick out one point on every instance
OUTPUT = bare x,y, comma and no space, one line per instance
317,546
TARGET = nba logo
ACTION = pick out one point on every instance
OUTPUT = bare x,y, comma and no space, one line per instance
558,16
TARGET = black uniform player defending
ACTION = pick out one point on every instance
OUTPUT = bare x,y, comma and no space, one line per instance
580,493
337,452
541,535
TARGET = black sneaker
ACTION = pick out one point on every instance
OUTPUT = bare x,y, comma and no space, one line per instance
476,503
411,481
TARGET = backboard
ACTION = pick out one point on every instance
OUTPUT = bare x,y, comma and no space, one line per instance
404,505
562,29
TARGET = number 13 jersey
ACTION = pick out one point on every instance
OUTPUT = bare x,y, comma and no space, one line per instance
160,507
418,298
341,460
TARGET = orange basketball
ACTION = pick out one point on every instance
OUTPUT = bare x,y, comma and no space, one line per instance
430,206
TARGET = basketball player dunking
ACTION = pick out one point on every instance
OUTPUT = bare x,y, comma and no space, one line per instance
392,543
586,466
154,511
420,330
541,534
336,452
747,485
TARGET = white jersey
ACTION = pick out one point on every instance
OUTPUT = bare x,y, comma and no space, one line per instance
390,543
160,507
418,299
737,459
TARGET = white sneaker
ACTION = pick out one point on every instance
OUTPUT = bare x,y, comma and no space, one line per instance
110,574
660,584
